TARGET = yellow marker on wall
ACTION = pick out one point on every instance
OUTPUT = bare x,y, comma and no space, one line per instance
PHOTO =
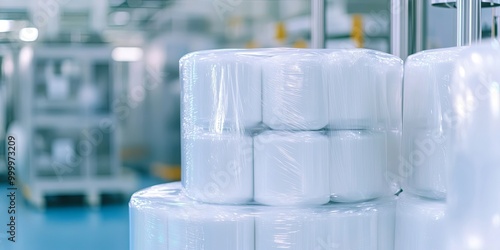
281,34
300,43
357,31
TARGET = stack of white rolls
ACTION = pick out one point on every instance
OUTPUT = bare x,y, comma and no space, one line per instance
290,126
426,149
282,148
428,121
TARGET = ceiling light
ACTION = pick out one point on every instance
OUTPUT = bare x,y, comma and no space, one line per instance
28,34
127,54
5,25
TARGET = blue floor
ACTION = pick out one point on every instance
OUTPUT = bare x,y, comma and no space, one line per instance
76,227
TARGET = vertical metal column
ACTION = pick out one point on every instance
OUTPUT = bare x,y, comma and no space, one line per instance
496,23
399,28
468,22
420,19
408,27
318,24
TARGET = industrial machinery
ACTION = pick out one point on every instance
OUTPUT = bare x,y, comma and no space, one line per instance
69,124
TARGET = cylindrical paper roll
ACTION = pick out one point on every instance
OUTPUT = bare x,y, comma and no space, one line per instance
218,168
358,168
420,223
293,228
221,90
291,168
294,91
427,121
162,217
364,89
211,227
427,80
427,154
367,226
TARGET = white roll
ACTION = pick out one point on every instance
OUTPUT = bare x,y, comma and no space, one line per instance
364,89
218,168
428,121
295,228
148,228
367,226
358,168
291,168
221,89
294,91
427,153
473,197
162,217
426,93
420,223
394,157
210,227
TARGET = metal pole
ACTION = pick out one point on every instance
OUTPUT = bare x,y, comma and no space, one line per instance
420,20
408,27
496,23
318,24
468,21
399,28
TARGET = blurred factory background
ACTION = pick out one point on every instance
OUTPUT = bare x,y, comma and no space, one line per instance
90,90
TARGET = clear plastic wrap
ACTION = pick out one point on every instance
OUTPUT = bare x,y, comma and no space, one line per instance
291,168
426,121
224,91
163,217
359,165
294,92
420,223
473,198
364,90
288,101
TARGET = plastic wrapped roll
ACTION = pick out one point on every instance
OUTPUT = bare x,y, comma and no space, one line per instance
294,95
473,182
427,152
358,166
202,227
277,228
162,217
394,157
367,226
364,89
427,81
291,168
218,168
420,223
427,128
221,90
